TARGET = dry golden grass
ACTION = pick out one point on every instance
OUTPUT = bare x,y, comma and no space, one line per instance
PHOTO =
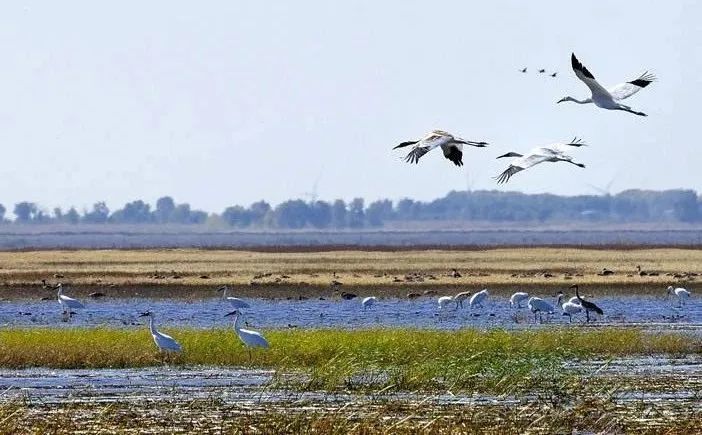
190,268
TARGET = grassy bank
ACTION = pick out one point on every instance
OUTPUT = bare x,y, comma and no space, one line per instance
401,359
195,273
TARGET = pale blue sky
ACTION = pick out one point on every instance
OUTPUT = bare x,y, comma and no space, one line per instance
227,102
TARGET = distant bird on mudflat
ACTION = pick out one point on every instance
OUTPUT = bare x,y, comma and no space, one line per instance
368,302
523,70
451,145
67,303
539,306
587,305
608,98
570,307
517,298
460,297
236,303
551,153
681,293
554,74
445,301
541,71
478,298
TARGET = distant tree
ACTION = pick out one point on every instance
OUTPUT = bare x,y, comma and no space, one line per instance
406,209
135,212
258,211
26,212
686,207
356,214
58,214
339,219
320,214
379,211
99,215
165,206
292,214
3,210
237,216
198,217
181,214
71,217
41,217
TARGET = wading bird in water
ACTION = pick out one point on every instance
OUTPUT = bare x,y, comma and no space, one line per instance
681,293
236,303
539,306
587,305
67,303
516,300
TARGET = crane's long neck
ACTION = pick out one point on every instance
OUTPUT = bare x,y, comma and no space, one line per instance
224,292
152,327
575,100
237,327
60,291
577,294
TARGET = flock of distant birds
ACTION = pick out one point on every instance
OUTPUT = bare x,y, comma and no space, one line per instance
610,99
541,71
254,339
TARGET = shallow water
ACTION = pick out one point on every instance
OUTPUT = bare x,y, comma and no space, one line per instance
315,313
682,378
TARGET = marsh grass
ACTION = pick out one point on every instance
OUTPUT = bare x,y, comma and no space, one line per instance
383,359
588,412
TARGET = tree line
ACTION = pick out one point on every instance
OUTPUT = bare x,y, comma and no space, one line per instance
680,205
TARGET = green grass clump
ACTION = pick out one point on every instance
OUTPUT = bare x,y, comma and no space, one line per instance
393,358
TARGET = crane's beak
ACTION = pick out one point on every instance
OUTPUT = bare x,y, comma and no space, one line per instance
232,313
561,100
145,314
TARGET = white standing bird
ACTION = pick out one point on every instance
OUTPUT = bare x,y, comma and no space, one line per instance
164,342
460,297
250,338
551,153
539,306
368,302
516,300
451,145
445,301
67,303
236,303
608,98
681,293
478,298
569,307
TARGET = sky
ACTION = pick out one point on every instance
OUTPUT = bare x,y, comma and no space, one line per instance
218,102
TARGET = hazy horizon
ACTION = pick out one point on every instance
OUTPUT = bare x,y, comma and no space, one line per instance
240,102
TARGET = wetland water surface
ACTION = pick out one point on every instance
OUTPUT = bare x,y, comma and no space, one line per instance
672,379
317,313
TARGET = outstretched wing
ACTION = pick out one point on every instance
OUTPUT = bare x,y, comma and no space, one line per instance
454,153
626,90
586,76
416,153
562,148
507,174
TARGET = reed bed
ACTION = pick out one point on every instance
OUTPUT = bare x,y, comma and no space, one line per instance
393,358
